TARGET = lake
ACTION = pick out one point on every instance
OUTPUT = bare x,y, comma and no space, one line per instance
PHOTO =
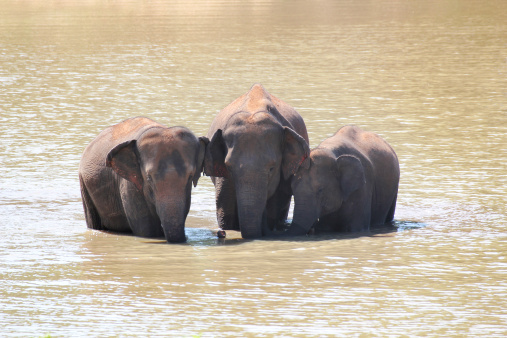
430,77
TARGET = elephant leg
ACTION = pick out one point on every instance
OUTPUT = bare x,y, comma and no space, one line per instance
383,210
91,214
390,214
227,210
141,220
355,215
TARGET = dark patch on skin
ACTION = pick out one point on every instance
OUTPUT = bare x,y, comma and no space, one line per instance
176,160
162,169
179,163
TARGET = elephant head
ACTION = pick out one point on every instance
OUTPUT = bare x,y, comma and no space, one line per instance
322,184
162,163
254,151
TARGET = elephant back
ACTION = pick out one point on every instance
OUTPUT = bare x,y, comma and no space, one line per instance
256,100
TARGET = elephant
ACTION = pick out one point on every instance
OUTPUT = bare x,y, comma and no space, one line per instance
256,144
349,183
137,175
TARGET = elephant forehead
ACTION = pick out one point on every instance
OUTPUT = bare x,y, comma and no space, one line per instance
174,162
156,140
322,165
165,156
256,125
160,147
256,141
256,151
171,162
322,157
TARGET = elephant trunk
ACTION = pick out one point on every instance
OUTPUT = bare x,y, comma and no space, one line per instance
174,231
172,214
251,199
305,216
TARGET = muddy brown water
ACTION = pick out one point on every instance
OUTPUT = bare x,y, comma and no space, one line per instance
429,77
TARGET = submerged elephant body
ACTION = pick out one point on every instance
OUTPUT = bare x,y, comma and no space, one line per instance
349,183
136,177
256,144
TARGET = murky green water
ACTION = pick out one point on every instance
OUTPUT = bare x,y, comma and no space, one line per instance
430,77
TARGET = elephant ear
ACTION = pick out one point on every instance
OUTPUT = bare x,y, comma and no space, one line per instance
214,159
124,161
295,151
203,144
351,174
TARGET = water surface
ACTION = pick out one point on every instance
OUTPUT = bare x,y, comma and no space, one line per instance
429,77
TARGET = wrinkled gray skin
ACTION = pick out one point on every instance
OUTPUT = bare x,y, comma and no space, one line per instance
136,177
349,183
256,144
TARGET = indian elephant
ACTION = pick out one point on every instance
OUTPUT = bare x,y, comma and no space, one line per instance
136,176
256,144
349,183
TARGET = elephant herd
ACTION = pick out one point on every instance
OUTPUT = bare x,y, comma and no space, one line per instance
137,176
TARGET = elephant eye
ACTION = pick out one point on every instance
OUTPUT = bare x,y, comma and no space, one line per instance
272,166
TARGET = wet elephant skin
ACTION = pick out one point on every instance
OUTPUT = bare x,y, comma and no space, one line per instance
137,177
256,144
349,183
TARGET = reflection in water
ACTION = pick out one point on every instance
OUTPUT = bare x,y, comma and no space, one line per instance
408,225
429,77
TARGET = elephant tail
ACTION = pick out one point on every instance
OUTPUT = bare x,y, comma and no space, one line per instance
91,214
